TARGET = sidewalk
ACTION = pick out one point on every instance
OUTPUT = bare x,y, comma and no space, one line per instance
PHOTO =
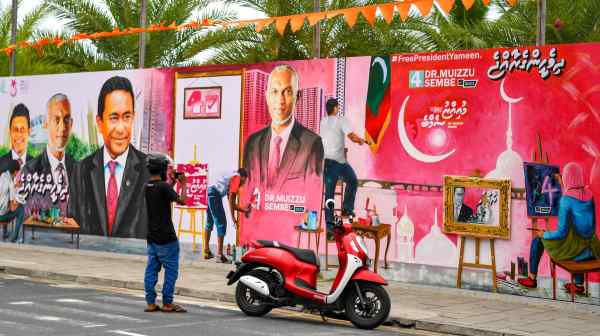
449,310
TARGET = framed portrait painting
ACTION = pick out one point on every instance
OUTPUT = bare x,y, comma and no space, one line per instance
477,207
202,102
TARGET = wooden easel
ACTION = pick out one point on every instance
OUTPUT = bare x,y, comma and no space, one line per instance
192,212
477,264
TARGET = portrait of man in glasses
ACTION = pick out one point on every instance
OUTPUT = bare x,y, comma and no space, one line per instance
54,160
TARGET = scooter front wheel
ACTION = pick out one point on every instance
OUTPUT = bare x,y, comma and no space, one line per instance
248,300
370,312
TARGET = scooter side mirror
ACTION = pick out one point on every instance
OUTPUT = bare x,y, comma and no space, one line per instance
330,204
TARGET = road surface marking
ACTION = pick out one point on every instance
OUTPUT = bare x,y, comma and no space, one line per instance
121,332
49,318
71,301
20,303
108,316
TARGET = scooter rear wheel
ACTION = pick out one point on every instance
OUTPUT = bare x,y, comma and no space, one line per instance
372,313
249,301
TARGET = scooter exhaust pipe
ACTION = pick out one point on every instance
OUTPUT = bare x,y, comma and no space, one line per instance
256,284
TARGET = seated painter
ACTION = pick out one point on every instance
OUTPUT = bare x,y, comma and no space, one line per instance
575,237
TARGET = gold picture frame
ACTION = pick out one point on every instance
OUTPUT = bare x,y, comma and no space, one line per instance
477,207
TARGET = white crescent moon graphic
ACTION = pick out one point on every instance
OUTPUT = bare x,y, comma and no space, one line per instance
410,148
506,98
381,62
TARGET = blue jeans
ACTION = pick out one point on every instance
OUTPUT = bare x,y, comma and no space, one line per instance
167,256
536,252
216,213
332,173
19,216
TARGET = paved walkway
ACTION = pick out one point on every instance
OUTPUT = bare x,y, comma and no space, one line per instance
449,310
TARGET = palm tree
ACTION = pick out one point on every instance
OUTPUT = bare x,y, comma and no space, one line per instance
28,62
461,29
245,45
568,21
163,49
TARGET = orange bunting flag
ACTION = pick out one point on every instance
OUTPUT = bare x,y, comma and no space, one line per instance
41,42
57,41
315,17
446,5
9,50
468,3
369,14
333,13
296,22
281,23
404,9
387,11
153,28
81,36
261,24
424,6
512,2
351,15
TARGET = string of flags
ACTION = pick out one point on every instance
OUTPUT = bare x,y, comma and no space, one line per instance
296,22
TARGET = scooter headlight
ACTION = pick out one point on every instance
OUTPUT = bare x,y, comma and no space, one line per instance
362,245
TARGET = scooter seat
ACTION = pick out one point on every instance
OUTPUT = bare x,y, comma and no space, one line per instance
308,256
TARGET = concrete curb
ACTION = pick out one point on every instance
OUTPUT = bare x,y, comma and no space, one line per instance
202,264
399,322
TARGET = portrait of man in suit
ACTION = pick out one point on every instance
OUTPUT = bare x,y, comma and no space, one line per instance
110,182
19,131
285,152
462,212
54,161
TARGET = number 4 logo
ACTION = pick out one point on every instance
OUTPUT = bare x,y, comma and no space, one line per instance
416,79
548,189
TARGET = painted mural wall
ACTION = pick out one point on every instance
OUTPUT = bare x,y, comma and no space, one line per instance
479,113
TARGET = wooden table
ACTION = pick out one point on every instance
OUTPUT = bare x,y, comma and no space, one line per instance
376,233
316,232
37,224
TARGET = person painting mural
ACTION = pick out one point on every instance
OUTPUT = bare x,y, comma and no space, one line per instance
575,237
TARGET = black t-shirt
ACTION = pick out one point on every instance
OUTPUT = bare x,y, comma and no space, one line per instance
159,196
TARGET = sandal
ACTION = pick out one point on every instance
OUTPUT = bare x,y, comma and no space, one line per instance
173,308
207,255
221,259
153,309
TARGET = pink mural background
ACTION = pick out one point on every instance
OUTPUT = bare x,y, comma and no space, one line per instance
562,109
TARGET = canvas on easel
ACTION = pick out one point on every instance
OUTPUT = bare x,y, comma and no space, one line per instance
196,174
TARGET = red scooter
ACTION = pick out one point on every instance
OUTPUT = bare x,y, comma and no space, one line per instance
276,275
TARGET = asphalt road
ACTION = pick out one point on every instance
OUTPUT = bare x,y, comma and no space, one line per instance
34,308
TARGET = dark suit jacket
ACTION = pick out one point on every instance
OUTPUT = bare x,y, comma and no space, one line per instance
89,204
7,157
466,214
41,165
303,156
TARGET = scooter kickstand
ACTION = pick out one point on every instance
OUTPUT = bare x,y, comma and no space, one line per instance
323,317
